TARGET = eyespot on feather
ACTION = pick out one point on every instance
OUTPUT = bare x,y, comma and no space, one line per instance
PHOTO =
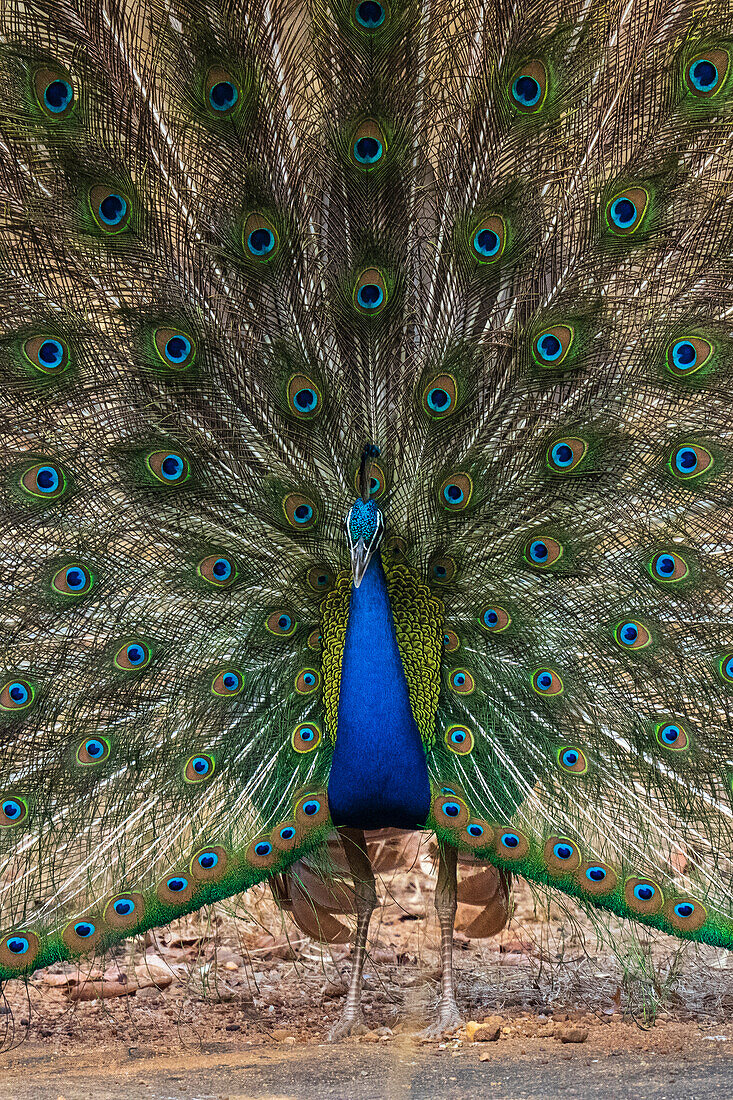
93,750
168,467
306,737
44,481
377,481
686,355
370,15
547,682
19,949
631,634
510,844
314,639
370,293
672,736
562,856
368,145
284,836
551,346
440,396
228,683
705,74
175,349
176,889
478,834
572,760
542,551
307,681
495,619
219,570
625,212
451,641
259,238
111,209
209,864
72,580
124,910
13,810
82,934
16,695
461,681
690,460
643,896
450,811
304,397
222,93
596,878
320,578
459,740
685,914
725,668
489,239
311,811
528,87
300,511
565,455
199,767
281,623
54,93
133,656
455,492
441,569
668,567
47,354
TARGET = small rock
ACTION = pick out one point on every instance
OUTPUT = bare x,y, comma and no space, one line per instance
370,1037
572,1034
282,1033
234,1027
289,1041
487,1032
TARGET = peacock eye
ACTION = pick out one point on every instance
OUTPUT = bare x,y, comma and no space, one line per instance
111,210
440,396
706,73
489,239
528,87
319,578
133,656
93,751
168,467
631,634
551,346
175,350
260,238
572,760
218,569
368,145
281,623
495,619
72,580
668,567
565,455
625,211
563,852
48,354
198,768
19,949
13,810
689,461
54,93
642,895
725,667
123,907
461,681
227,683
455,492
221,91
542,552
546,681
459,739
44,481
685,357
176,889
304,397
306,737
370,292
451,641
596,874
307,681
300,511
442,570
16,695
370,14
671,735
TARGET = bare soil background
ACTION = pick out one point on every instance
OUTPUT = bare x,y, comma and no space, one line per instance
237,1003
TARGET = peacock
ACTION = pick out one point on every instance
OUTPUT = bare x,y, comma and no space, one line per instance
366,370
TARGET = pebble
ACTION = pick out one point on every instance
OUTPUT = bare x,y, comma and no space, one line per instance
572,1034
487,1032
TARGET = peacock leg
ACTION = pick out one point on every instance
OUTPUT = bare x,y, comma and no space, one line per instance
365,896
446,903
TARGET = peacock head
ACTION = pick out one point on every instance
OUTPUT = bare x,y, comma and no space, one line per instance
364,530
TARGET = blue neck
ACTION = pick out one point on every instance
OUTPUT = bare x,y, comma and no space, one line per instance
378,777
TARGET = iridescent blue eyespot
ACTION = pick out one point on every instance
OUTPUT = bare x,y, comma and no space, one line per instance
51,354
596,874
19,693
368,150
305,400
526,90
686,460
208,860
123,907
112,209
664,565
57,96
12,809
135,655
223,95
231,681
177,884
287,833
370,14
222,569
628,633
453,493
370,296
703,75
644,892
311,807
178,348
451,809
684,355
303,513
549,347
623,212
263,848
201,765
670,733
19,945
94,747
510,840
475,830
261,241
684,909
47,479
172,467
570,757
562,455
84,929
563,851
438,400
487,243
538,551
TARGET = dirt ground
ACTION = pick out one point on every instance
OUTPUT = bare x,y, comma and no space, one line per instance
237,1003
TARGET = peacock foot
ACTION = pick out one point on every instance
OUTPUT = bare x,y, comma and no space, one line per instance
351,1023
449,1019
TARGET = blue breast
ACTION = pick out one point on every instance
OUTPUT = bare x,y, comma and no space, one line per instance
378,777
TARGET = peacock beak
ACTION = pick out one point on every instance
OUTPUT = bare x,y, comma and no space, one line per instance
361,555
